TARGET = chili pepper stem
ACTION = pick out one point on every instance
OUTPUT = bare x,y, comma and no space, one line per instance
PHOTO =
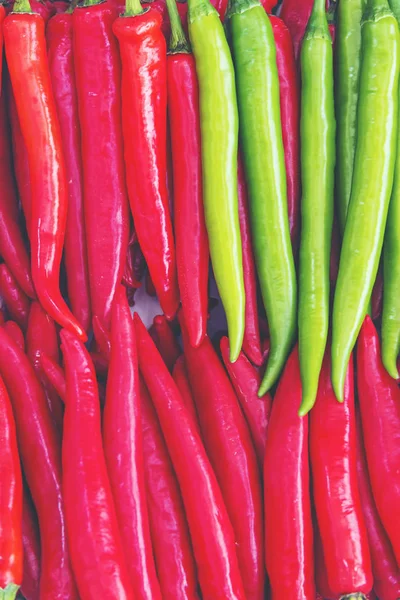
177,43
353,597
22,6
11,590
133,8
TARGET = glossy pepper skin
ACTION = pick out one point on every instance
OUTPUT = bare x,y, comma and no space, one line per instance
25,43
98,560
288,526
371,188
347,76
144,120
384,566
261,133
246,381
106,210
15,332
61,66
122,438
11,550
181,378
379,400
290,116
42,468
231,451
219,144
337,499
210,528
165,340
31,548
170,533
53,373
317,132
16,301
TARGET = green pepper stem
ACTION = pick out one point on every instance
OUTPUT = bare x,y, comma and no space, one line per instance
318,22
356,596
72,7
377,5
178,43
200,8
395,6
22,6
133,8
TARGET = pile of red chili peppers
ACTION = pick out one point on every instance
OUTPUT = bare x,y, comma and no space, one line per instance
235,164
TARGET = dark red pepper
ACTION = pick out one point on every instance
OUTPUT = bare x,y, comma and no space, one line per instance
60,6
31,546
17,303
2,17
102,337
54,374
15,332
134,264
296,14
165,340
181,378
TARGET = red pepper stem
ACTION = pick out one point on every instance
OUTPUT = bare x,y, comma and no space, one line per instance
22,6
178,43
132,8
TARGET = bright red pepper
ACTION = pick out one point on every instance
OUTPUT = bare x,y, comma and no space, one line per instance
16,301
11,551
288,524
210,529
165,340
122,438
379,400
98,83
231,451
290,118
31,546
15,332
246,380
92,528
384,567
54,374
61,66
171,540
144,120
102,337
181,378
337,499
25,43
296,14
42,467
12,248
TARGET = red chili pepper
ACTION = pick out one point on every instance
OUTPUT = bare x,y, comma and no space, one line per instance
44,9
41,462
41,336
102,337
98,83
31,547
192,254
336,495
61,66
92,528
123,451
181,378
170,534
150,289
100,364
246,380
210,529
11,551
379,400
16,301
2,17
15,332
296,14
268,5
54,374
160,7
384,567
230,449
324,591
60,6
25,45
251,339
2,313
290,117
165,341
12,248
144,121
288,525
134,264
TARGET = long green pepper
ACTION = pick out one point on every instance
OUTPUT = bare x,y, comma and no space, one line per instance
348,59
257,80
219,140
377,117
317,128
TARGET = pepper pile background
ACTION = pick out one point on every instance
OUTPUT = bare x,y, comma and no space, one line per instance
207,457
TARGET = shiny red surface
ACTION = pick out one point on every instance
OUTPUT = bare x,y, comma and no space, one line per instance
295,14
17,303
181,378
15,332
54,374
31,546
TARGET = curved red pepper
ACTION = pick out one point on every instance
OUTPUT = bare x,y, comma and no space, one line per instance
92,528
171,540
379,400
336,495
180,376
39,449
230,449
122,438
246,380
61,66
28,66
12,248
288,524
165,340
11,551
102,337
31,546
210,529
17,303
384,567
251,339
144,120
296,14
290,118
98,83
54,374
15,332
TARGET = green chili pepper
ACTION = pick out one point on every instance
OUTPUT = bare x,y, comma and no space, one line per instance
317,128
347,53
219,140
391,263
377,117
257,80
